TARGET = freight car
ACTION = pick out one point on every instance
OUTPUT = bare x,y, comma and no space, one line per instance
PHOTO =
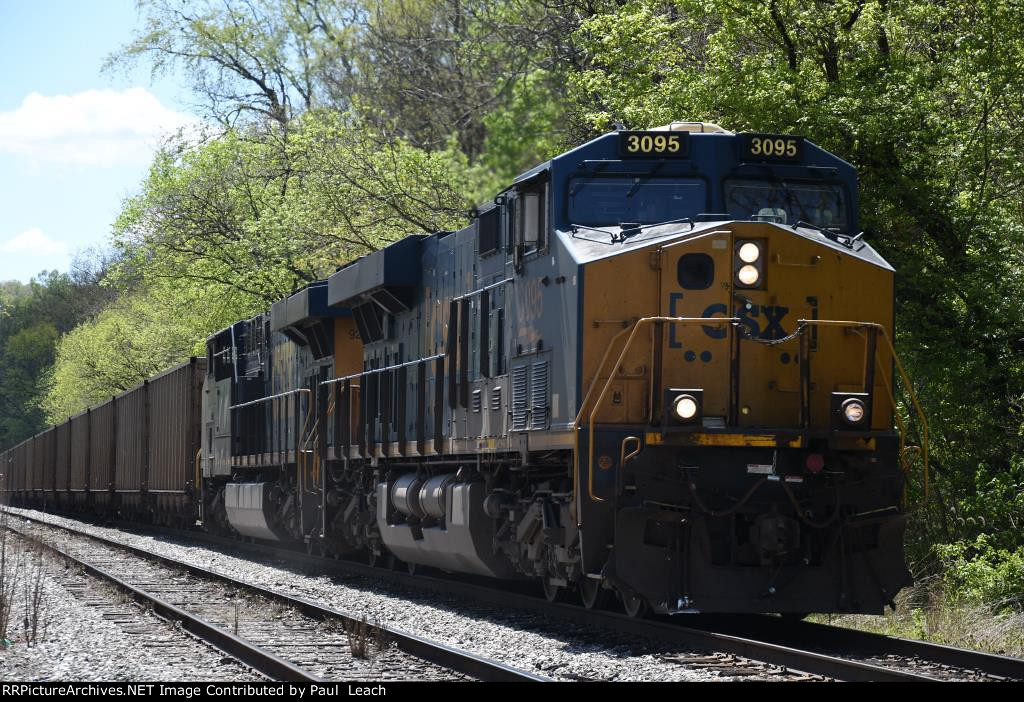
134,455
657,366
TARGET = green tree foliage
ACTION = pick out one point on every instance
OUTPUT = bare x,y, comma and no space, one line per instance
256,60
418,70
32,317
926,100
138,335
256,216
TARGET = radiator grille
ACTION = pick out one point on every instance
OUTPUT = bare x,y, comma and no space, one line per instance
539,395
520,410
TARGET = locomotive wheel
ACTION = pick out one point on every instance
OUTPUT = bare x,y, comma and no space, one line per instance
592,594
413,568
551,591
635,605
372,558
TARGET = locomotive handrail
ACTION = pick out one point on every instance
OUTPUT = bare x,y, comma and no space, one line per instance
295,410
889,389
268,398
593,383
353,376
802,326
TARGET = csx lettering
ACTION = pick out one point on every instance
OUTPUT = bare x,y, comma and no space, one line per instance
773,315
751,318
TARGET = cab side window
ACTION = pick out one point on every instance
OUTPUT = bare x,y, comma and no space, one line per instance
531,217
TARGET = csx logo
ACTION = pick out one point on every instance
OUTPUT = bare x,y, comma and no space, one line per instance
759,321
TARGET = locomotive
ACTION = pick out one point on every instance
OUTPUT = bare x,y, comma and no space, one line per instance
656,366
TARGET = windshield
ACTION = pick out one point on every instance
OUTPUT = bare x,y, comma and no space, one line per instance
613,200
822,204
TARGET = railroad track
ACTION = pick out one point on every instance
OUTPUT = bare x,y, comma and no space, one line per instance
745,645
279,635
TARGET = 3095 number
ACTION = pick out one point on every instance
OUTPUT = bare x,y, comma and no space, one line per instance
658,144
773,147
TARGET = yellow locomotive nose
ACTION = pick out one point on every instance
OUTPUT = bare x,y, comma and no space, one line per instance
778,285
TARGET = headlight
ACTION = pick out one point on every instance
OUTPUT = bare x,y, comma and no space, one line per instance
748,275
685,408
853,411
749,252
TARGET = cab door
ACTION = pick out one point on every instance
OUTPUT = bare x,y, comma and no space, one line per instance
696,281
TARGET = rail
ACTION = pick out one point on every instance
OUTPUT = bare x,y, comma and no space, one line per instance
462,661
871,362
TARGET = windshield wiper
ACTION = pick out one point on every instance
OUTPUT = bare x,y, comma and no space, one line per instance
630,229
844,239
642,180
681,220
577,227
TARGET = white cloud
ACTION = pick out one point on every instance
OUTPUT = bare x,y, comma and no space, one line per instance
26,254
95,127
33,241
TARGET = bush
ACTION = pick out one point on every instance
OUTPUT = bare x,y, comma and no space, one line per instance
979,573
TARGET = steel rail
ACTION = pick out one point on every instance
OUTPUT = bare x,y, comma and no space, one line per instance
812,633
759,637
793,658
257,658
480,667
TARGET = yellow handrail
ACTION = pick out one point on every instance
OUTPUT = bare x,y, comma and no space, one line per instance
586,398
890,390
801,326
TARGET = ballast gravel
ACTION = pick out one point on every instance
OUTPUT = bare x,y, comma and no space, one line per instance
558,650
88,632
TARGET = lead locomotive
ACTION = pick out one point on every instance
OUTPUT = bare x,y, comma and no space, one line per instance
658,365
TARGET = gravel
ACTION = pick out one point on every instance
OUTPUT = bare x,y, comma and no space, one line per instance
89,632
554,649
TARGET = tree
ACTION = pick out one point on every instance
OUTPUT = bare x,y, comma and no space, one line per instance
140,334
251,60
252,215
32,317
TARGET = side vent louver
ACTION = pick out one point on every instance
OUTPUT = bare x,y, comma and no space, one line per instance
539,396
520,411
477,401
495,398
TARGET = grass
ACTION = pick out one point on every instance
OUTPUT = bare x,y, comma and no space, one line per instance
924,612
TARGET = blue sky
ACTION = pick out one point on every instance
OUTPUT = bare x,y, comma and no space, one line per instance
74,142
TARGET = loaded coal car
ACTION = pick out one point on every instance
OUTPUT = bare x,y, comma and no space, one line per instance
658,365
135,456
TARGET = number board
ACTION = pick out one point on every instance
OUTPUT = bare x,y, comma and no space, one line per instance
771,147
654,144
